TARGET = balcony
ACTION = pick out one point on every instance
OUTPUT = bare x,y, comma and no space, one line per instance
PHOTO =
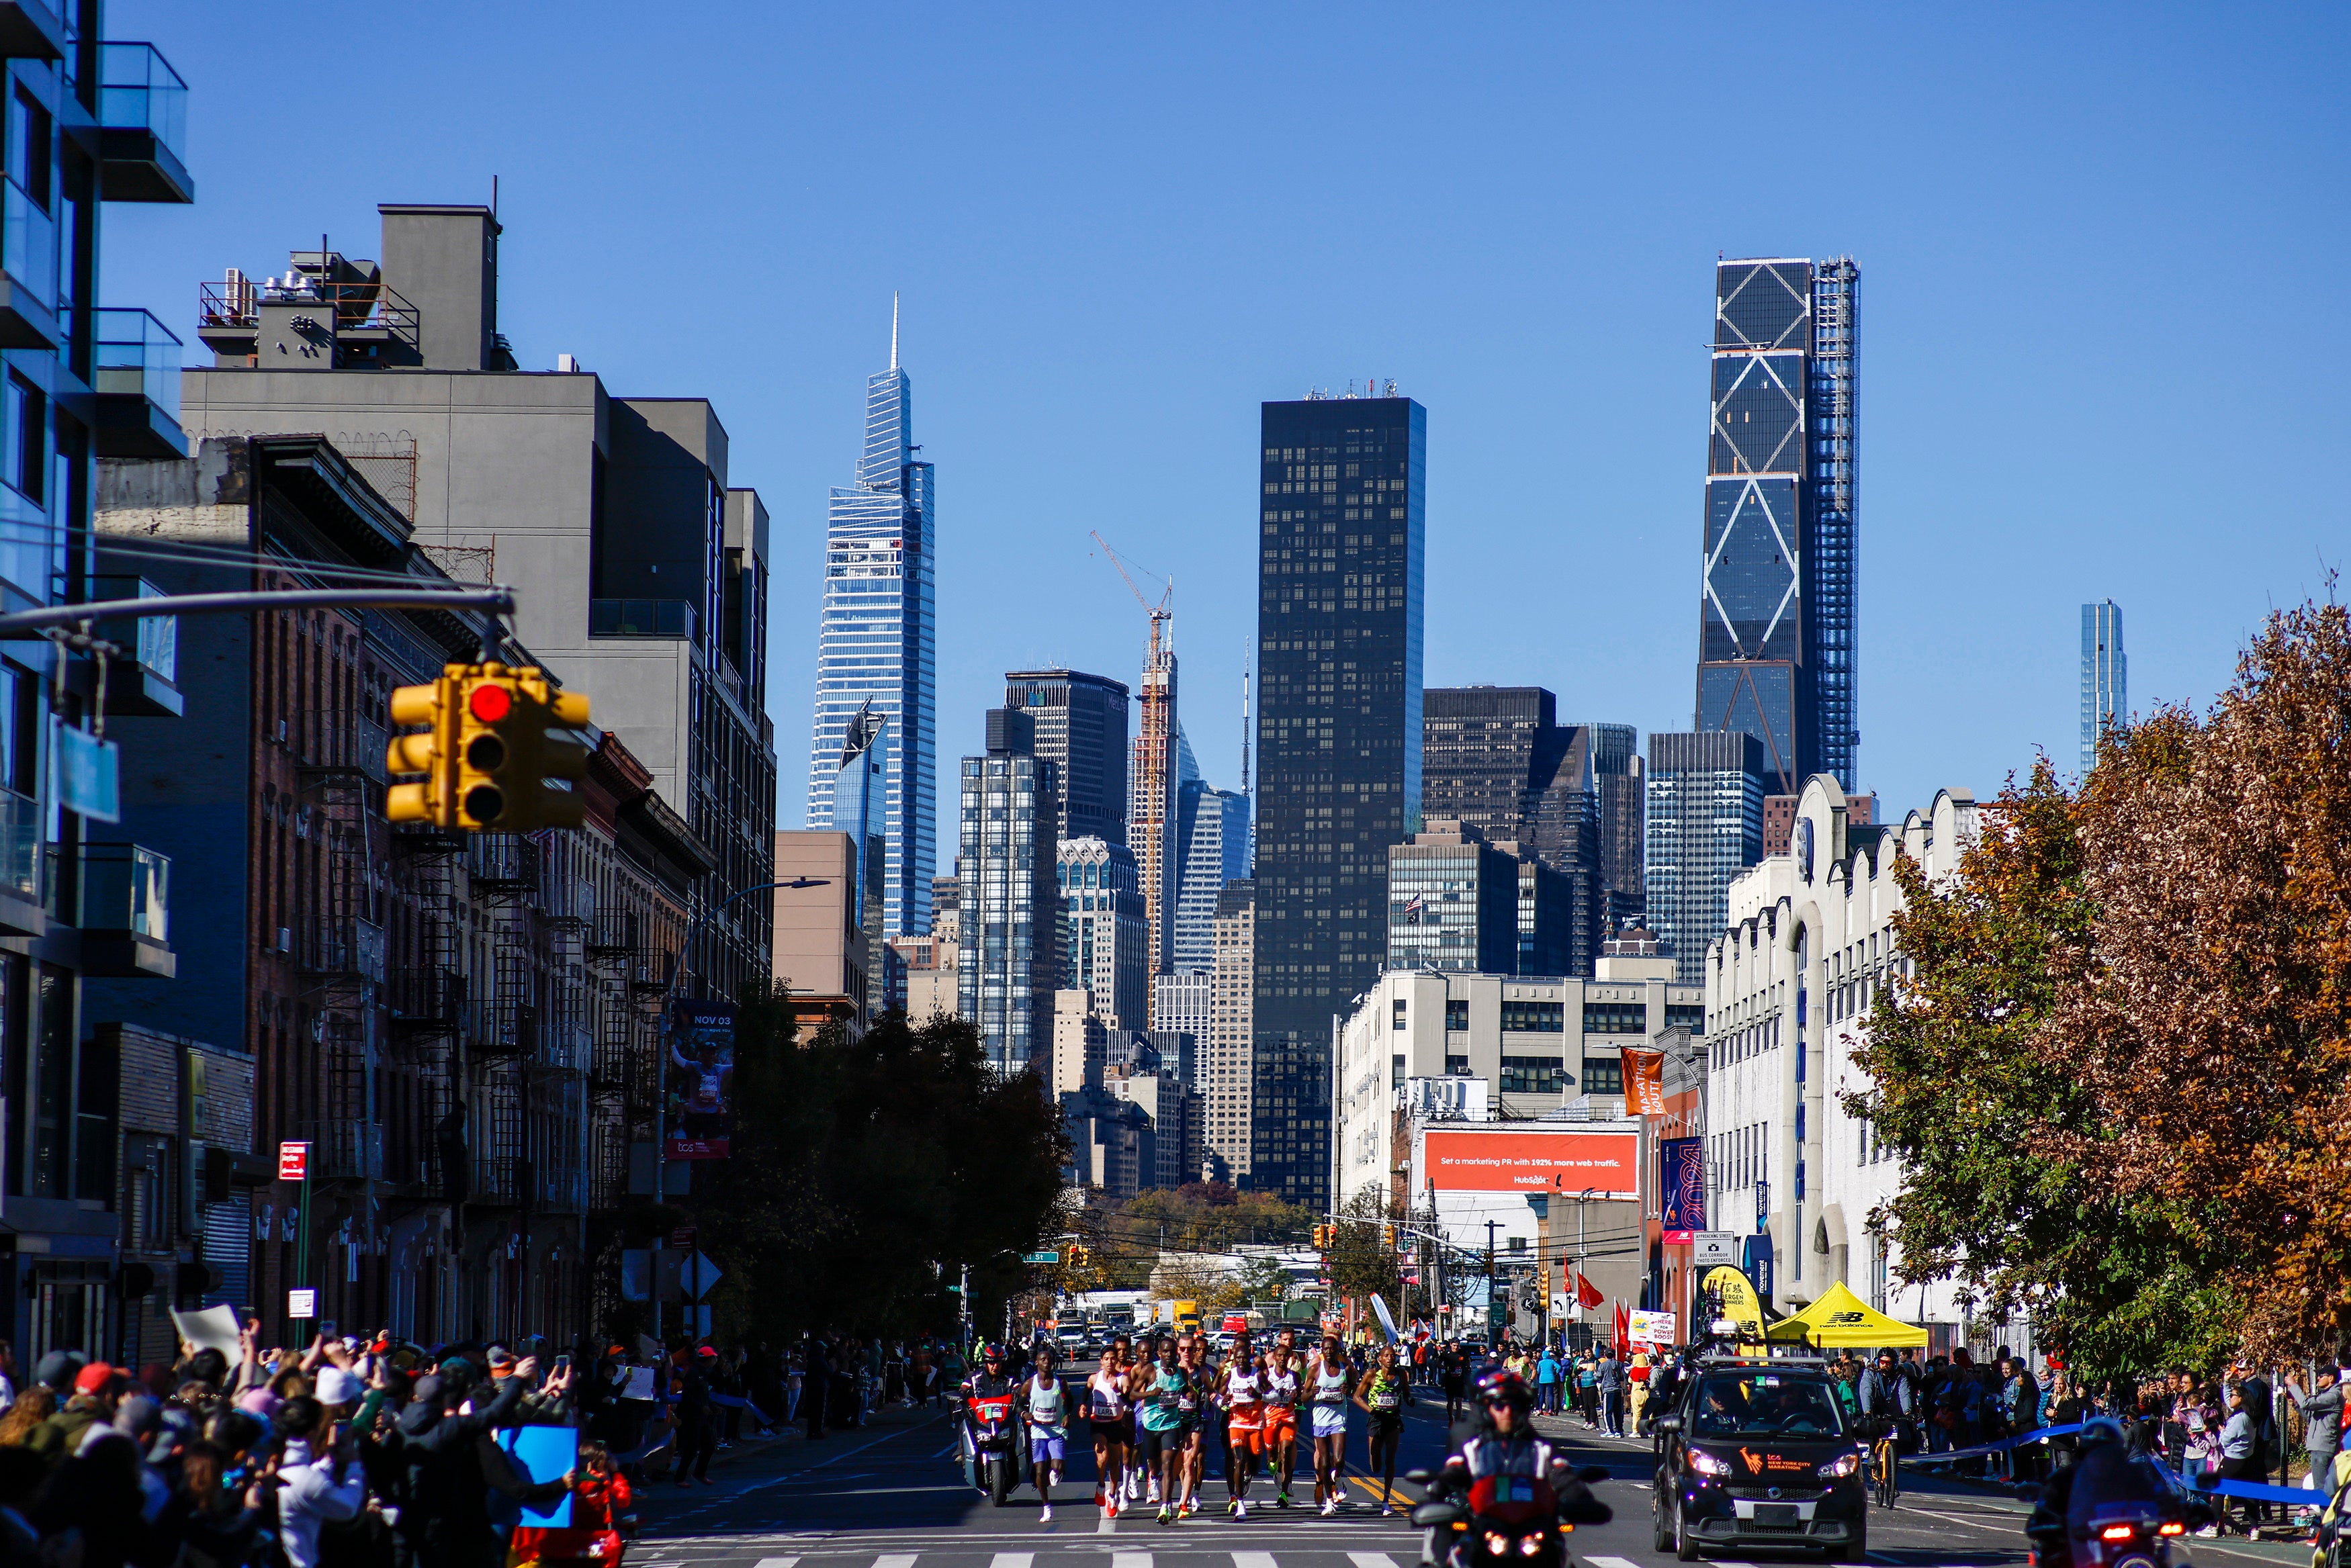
126,913
340,947
138,376
641,617
22,856
142,119
345,1150
31,30
144,684
28,272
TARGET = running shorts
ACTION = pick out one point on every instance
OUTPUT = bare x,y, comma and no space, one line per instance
1330,1421
1043,1450
1249,1439
1156,1446
1280,1425
1385,1425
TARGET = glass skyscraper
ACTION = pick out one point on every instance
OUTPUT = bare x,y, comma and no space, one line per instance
1339,737
2106,698
877,644
1777,646
1212,836
1705,827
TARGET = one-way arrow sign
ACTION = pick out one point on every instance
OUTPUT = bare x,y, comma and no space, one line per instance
698,1275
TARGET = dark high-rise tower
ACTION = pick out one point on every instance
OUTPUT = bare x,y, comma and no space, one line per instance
1497,759
1081,722
1777,651
1338,753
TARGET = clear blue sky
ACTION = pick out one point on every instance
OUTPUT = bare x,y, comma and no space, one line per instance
2103,319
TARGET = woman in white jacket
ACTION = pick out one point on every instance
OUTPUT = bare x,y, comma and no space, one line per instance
319,1478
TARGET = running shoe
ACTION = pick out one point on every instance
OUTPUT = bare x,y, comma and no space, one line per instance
1166,1516
1232,1506
1329,1507
1240,1508
1045,1515
1386,1513
1191,1506
1281,1497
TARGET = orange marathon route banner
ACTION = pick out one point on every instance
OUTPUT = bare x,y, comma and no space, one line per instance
1645,1082
1562,1163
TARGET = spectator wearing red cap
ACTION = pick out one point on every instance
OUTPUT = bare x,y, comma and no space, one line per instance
92,1402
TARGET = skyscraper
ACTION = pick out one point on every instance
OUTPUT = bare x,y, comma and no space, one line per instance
1010,907
1151,812
1102,932
1777,649
877,641
1621,792
1213,832
1339,745
859,791
1496,759
2106,698
1082,730
1705,826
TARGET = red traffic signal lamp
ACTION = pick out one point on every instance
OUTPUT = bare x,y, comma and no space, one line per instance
486,752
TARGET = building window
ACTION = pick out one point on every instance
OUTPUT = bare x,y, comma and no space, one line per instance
1533,1017
1533,1074
1690,1013
1457,1066
1604,1077
1396,1013
1456,1017
1616,1018
1395,1070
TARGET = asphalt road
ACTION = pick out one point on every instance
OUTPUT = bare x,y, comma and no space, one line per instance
892,1497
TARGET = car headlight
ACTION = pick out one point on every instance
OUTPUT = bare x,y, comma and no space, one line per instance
1530,1545
1706,1464
1843,1465
1497,1543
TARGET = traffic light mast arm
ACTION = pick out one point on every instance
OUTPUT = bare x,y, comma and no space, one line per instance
497,599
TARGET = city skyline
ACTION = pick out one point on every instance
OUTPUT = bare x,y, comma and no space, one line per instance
1036,357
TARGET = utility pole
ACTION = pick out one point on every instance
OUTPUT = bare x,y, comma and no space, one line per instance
1492,1334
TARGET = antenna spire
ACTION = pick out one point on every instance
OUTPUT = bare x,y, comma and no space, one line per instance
893,330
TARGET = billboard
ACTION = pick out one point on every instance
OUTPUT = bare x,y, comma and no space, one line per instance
1609,1163
699,1119
1681,1185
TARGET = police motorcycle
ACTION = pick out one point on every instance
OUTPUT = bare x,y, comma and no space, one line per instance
2110,1508
992,1454
1505,1499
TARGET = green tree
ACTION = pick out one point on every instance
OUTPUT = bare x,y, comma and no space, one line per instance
2008,1179
866,1172
1363,1262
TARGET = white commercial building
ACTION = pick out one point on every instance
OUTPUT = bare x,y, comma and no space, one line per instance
1808,950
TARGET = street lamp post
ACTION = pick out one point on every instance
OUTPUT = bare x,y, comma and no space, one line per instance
661,1057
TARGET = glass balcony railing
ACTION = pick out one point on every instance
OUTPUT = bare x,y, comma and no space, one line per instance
28,244
641,618
137,353
126,887
21,845
137,87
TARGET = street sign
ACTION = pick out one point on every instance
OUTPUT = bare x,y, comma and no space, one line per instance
1714,1249
293,1162
302,1303
1041,1256
699,1276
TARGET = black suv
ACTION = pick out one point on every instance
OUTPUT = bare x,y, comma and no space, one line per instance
1758,1453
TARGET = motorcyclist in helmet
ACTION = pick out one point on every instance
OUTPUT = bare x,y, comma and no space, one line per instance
992,1380
1506,1444
2104,1470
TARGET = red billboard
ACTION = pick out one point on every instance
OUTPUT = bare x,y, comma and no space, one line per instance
1563,1162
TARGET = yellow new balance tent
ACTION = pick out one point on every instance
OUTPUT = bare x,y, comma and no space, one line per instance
1842,1320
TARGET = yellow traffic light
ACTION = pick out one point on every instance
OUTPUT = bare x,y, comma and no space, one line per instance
1392,1238
487,751
431,752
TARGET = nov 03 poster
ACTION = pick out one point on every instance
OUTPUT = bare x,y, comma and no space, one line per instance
698,1112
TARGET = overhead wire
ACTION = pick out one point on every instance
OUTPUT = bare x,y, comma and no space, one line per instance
182,552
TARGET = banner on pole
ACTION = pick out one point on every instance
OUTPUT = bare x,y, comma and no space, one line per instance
700,1116
1645,1082
1681,1183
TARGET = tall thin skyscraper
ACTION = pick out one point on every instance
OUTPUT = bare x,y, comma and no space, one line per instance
860,785
2106,697
1081,726
877,641
1214,832
1341,538
1779,650
1151,818
1010,900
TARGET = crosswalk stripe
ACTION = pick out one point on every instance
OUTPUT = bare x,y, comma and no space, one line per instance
898,1560
1252,1560
1130,1560
777,1562
1613,1563
1012,1560
1382,1560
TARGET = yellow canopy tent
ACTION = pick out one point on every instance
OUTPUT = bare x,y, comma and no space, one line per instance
1840,1320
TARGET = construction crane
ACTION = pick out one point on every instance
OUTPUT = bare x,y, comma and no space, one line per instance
1151,811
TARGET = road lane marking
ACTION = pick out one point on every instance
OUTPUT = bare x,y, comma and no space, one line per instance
1130,1560
1012,1560
1253,1560
1613,1563
777,1562
1106,1525
900,1559
1382,1560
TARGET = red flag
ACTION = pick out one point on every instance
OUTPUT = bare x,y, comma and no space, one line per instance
1587,1295
1624,1332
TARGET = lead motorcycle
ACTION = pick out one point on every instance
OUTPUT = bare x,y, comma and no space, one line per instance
990,1460
2111,1508
1504,1522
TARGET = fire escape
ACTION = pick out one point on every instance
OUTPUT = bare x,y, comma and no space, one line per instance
340,758
428,993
